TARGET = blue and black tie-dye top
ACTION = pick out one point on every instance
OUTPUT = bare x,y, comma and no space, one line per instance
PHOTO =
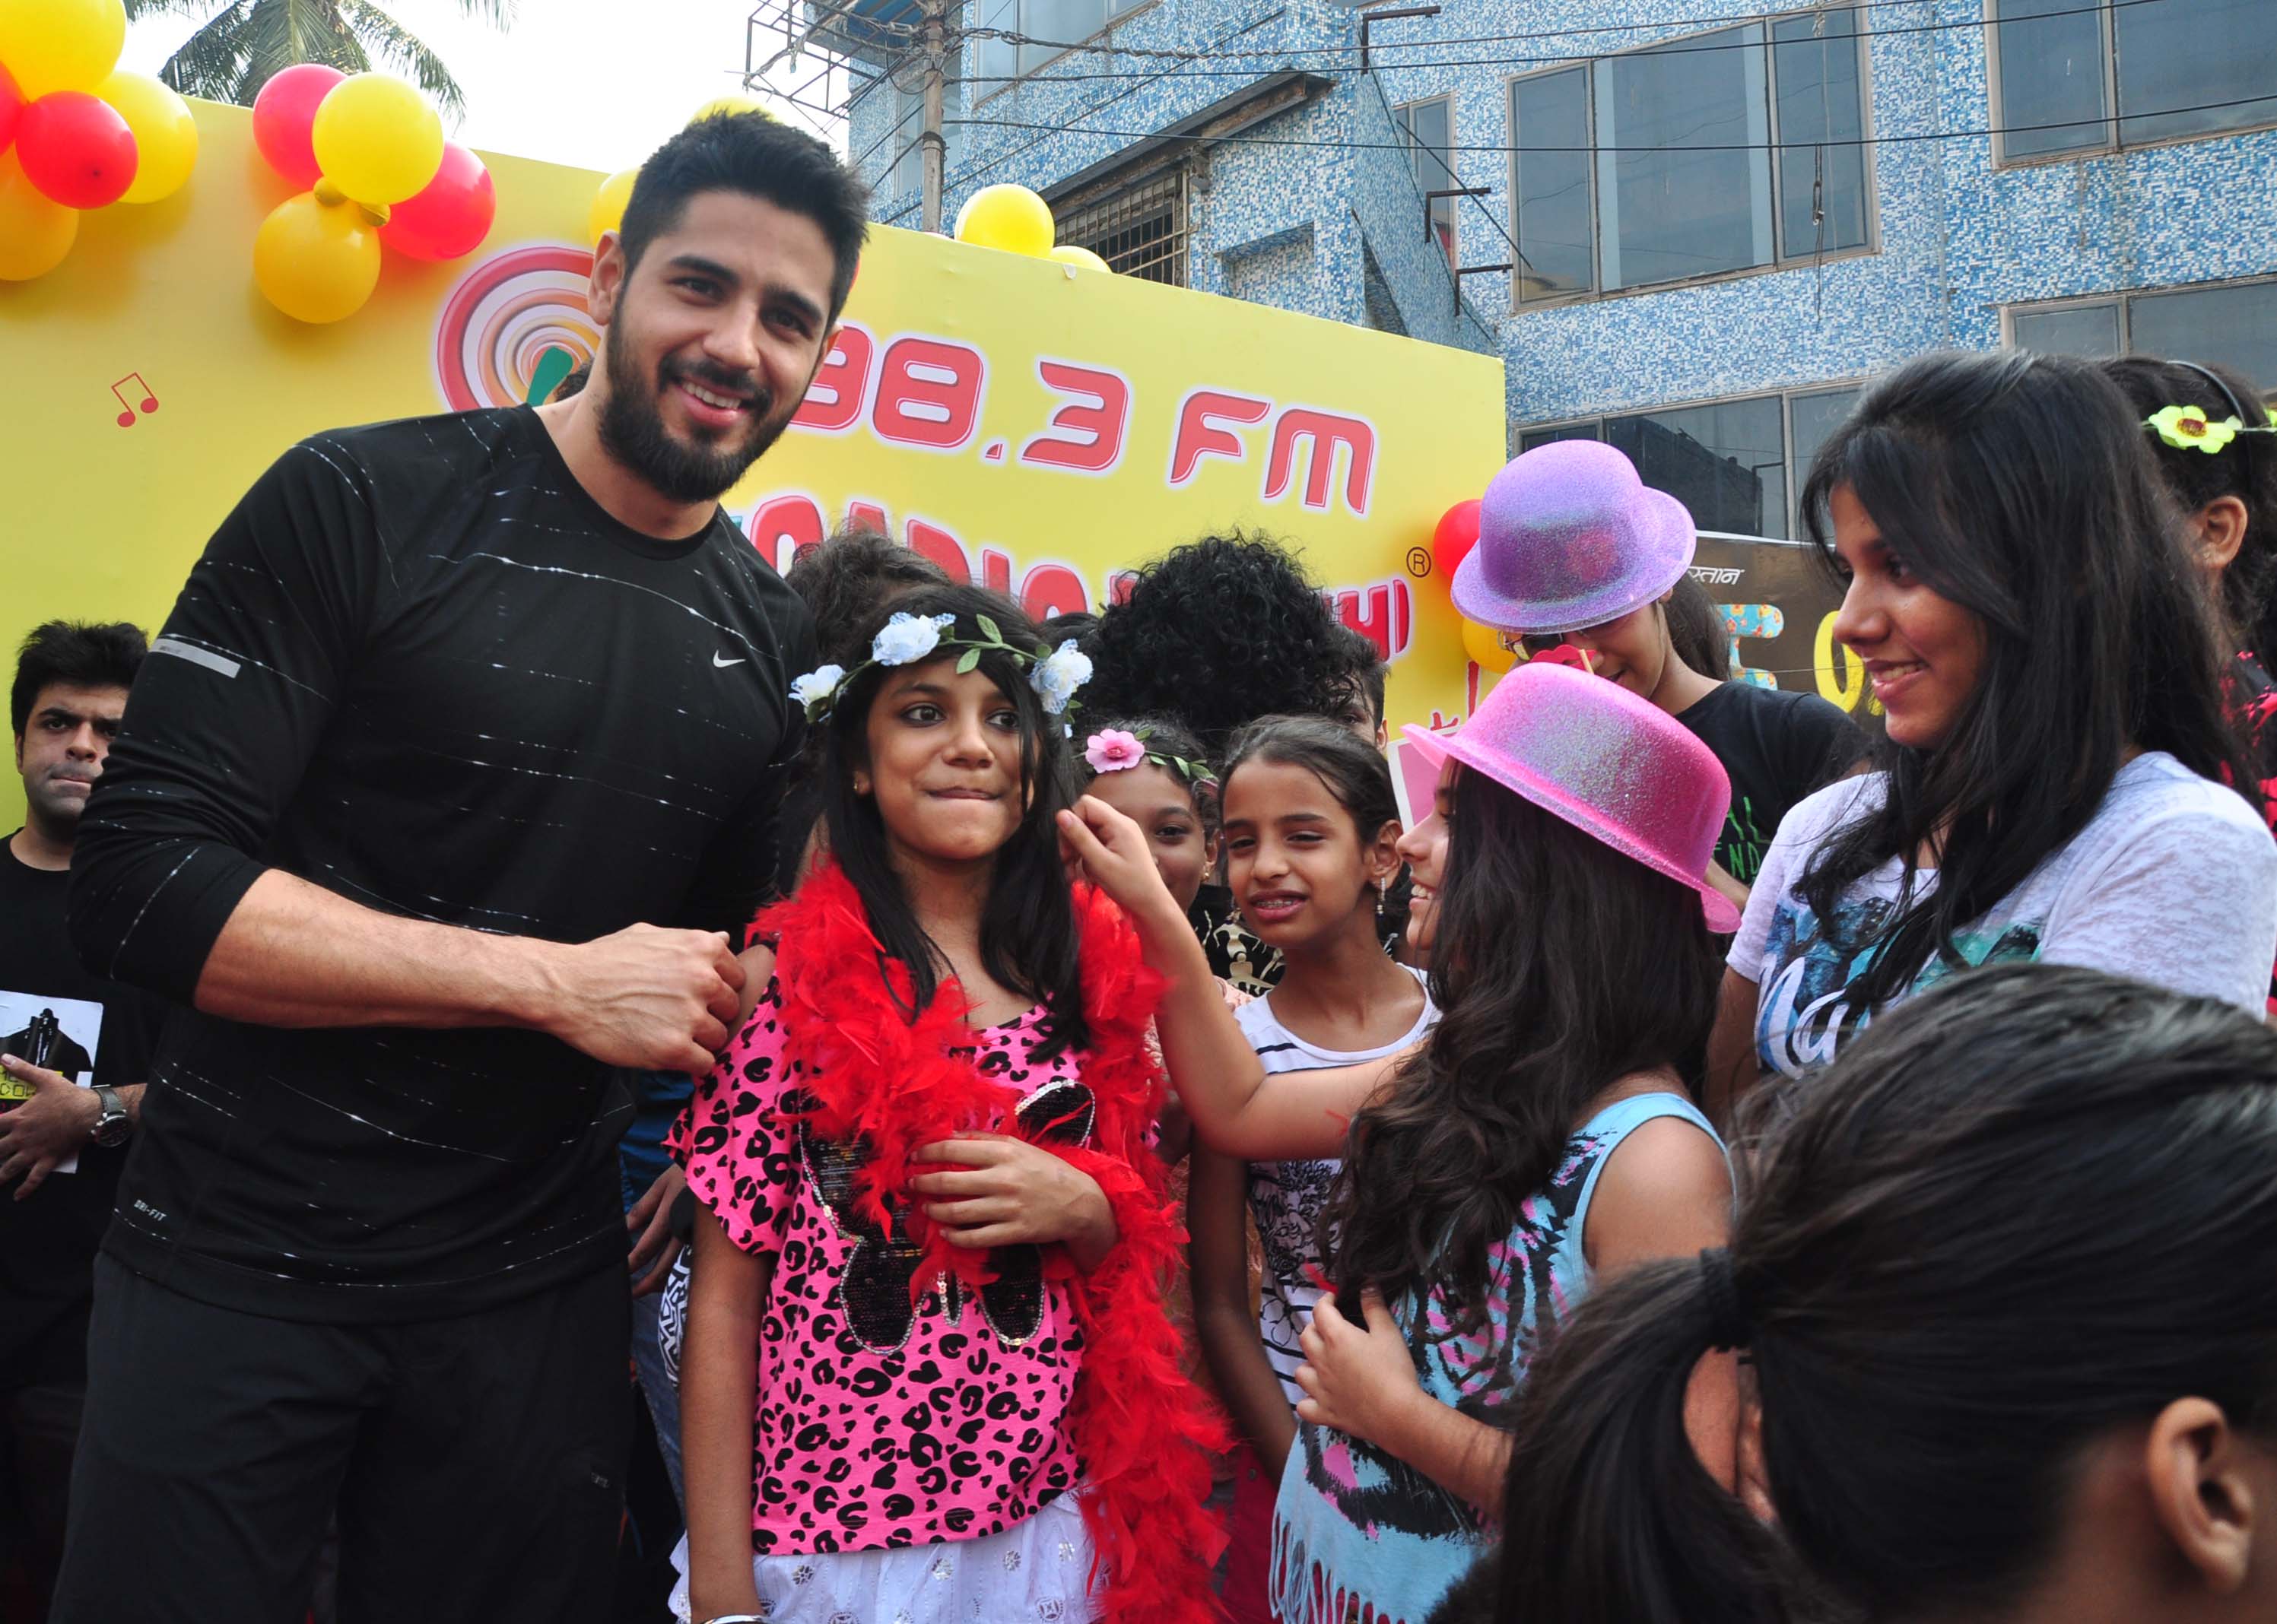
1357,1533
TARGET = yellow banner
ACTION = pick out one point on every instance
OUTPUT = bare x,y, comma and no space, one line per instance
1039,429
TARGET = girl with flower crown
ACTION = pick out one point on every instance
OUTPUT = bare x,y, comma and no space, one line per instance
932,1233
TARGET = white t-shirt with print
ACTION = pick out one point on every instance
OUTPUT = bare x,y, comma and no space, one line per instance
2173,881
1287,1198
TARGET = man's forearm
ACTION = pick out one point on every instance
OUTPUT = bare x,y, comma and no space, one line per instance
294,954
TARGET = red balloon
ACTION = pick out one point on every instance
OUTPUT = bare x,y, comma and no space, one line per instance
11,108
284,115
76,149
1457,533
451,216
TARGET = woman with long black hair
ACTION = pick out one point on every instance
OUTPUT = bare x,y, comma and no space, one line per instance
2054,786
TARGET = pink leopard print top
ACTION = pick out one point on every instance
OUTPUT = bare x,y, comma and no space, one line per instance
880,1424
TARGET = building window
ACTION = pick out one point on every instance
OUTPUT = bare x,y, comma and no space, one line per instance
1428,129
2234,323
1059,23
1735,465
1736,150
908,172
2079,76
1140,232
1812,419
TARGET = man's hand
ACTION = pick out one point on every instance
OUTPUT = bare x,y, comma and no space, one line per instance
47,1127
647,998
1360,1379
657,1247
1008,1191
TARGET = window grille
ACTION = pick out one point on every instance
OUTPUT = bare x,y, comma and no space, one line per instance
1140,232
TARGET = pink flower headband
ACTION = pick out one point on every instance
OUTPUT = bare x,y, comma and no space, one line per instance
1111,749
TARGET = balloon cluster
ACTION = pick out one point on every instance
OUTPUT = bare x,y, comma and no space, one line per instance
1457,533
75,133
1015,220
371,153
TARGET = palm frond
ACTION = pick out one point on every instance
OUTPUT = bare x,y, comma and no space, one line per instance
403,50
137,9
498,14
283,33
247,43
210,63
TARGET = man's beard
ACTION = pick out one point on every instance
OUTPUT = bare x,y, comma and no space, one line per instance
632,428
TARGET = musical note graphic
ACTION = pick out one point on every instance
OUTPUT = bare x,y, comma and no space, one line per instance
150,398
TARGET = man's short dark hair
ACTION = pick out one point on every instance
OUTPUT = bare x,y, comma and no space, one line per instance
760,158
82,654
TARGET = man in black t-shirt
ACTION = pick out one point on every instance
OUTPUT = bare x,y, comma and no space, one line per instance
448,790
73,1059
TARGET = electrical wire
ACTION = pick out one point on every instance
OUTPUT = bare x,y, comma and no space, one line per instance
1703,24
973,171
1845,140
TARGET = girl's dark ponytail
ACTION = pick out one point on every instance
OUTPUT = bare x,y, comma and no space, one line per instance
2011,1220
1610,1518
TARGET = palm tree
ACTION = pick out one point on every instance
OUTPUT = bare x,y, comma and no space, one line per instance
243,42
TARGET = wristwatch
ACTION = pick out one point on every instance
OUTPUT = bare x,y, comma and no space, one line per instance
112,1126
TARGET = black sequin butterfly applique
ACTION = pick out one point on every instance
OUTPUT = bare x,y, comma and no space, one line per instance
874,1291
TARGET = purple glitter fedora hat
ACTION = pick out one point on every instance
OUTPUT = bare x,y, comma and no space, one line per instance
1608,762
1570,537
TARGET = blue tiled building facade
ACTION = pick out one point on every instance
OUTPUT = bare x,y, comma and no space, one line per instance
1722,217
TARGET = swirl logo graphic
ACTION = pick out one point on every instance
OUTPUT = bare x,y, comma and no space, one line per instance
508,311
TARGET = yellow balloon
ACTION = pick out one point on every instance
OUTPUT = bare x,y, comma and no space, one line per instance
609,204
50,45
1082,259
1486,649
377,139
1009,218
316,261
165,136
35,232
730,104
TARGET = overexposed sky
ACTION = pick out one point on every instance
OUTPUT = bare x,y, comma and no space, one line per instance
594,83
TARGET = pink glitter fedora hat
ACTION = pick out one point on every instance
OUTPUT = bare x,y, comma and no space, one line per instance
1570,537
1608,762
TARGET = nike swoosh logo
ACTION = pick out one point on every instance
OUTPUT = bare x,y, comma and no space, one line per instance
723,665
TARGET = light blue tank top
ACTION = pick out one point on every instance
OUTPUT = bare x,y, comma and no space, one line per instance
1354,1527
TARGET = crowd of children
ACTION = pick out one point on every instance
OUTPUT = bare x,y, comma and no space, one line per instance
1595,1206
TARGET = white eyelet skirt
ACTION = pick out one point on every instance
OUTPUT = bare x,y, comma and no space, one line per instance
1035,1572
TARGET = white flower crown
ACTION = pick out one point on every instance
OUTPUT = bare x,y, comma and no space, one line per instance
906,639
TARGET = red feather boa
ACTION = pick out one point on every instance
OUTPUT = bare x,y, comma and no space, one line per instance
1143,1432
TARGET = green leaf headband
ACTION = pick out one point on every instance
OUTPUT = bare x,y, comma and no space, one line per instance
2185,427
1111,749
907,639
2188,427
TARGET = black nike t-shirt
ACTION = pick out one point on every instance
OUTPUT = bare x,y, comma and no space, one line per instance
1776,745
93,1031
420,667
